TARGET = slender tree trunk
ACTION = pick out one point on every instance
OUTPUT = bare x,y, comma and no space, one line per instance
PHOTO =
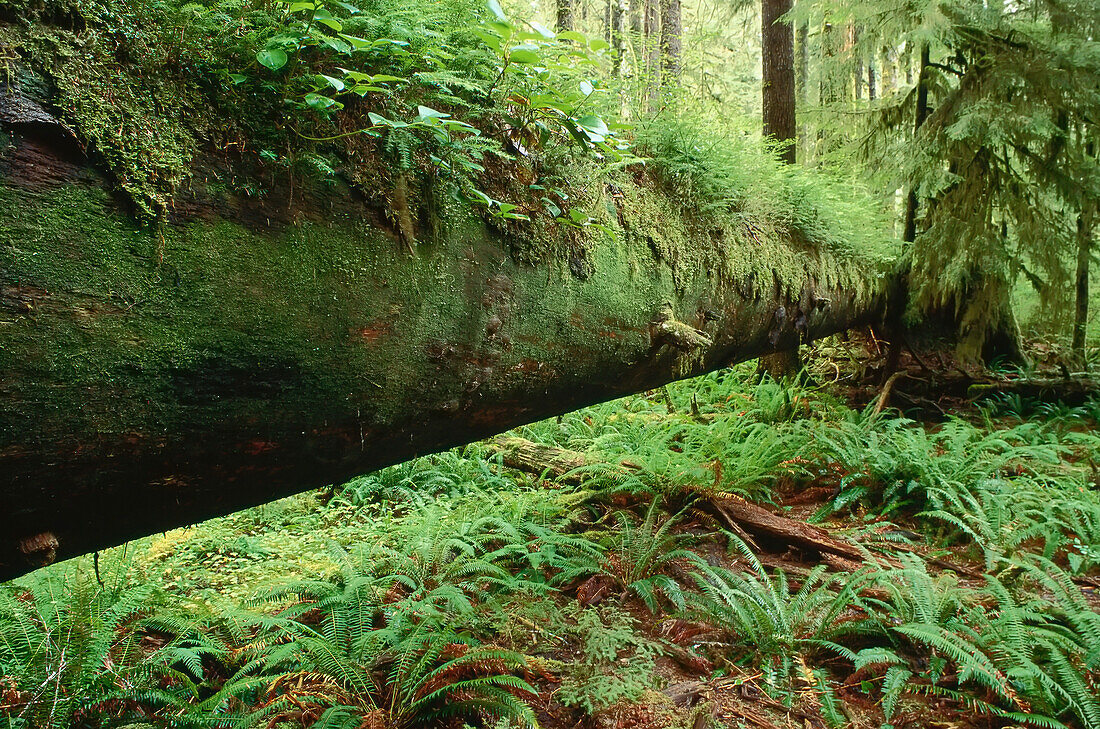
888,72
637,18
565,15
618,34
777,42
871,80
895,323
672,31
777,45
1085,225
802,85
921,114
858,70
652,33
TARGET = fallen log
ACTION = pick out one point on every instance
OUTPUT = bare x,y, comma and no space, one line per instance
734,514
250,348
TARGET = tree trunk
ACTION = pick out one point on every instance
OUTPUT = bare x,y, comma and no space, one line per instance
777,42
858,70
1085,224
653,53
920,115
637,19
777,45
565,15
618,34
151,378
672,30
802,87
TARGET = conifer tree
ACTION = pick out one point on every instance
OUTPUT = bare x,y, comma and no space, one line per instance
989,140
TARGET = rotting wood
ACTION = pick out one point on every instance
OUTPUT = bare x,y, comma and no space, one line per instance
733,513
248,348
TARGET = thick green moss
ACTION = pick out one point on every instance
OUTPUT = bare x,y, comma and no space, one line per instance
126,328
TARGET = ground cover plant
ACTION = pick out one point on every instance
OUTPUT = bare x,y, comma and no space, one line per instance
900,530
456,590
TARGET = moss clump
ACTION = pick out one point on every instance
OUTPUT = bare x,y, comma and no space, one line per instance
129,80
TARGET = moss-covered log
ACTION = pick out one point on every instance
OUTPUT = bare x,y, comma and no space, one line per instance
156,376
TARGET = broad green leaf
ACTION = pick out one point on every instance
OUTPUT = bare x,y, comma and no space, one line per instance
324,17
300,7
425,112
362,90
273,58
490,39
594,126
319,101
543,30
522,55
381,42
331,23
598,44
586,88
333,82
497,11
336,44
359,44
573,35
238,78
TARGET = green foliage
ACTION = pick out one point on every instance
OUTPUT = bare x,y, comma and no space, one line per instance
639,557
413,593
763,621
714,167
1036,661
73,652
615,663
1003,162
417,667
1001,490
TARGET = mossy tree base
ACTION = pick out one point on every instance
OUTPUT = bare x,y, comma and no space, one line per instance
153,377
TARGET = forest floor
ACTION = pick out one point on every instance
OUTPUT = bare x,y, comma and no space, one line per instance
723,552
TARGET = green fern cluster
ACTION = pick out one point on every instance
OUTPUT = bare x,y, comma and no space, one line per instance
761,620
76,651
1000,650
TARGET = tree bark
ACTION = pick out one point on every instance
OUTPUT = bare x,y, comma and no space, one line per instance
858,70
1085,224
672,31
151,378
777,45
802,87
920,115
777,42
619,13
637,19
565,15
652,32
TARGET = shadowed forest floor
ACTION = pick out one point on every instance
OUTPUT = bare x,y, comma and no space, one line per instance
724,552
